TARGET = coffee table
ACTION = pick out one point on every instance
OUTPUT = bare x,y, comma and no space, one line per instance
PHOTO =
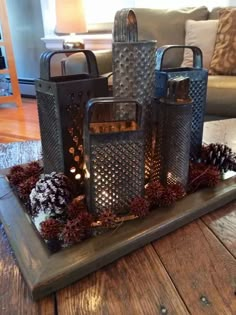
192,270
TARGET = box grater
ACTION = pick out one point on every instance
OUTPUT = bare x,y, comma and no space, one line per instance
198,90
114,158
133,64
61,105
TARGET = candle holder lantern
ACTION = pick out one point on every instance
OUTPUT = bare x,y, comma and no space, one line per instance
114,158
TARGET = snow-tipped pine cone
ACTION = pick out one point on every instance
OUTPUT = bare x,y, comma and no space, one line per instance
51,194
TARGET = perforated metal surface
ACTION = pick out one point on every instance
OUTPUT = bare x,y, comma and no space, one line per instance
198,89
133,76
49,128
116,172
171,158
61,107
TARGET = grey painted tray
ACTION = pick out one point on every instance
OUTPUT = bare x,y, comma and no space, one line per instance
45,272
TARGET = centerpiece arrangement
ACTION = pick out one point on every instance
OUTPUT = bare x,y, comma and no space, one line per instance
117,172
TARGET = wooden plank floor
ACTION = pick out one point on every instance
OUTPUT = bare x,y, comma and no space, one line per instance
189,271
19,124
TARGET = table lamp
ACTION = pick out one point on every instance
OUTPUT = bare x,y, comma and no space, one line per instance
70,18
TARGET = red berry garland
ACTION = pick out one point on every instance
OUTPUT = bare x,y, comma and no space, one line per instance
178,189
75,208
73,233
50,229
32,169
24,188
202,175
167,198
139,207
85,220
108,218
153,192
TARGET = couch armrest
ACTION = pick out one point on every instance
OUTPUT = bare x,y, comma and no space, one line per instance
76,63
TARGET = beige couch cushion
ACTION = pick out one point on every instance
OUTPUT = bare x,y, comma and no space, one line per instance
203,35
168,27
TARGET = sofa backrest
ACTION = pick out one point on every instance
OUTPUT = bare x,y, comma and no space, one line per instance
167,27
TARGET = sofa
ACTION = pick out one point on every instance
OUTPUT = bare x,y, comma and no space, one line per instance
168,27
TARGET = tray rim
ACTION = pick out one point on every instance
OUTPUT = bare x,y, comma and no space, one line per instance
46,272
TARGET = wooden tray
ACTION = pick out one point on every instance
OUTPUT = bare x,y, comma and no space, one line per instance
45,272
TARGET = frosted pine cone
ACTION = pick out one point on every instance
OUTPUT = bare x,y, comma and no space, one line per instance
52,193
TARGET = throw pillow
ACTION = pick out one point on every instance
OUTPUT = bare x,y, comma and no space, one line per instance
224,56
203,35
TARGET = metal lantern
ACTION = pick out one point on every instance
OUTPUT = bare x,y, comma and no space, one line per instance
198,90
114,157
172,140
133,73
61,105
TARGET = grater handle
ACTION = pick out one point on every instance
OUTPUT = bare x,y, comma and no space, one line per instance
125,26
45,61
197,55
109,100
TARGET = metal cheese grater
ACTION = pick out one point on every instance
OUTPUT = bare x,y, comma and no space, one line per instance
61,105
133,65
173,131
114,157
198,90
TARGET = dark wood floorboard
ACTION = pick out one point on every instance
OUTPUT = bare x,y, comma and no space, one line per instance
135,284
202,269
14,294
223,225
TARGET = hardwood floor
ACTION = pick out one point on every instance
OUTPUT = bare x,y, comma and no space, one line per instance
19,123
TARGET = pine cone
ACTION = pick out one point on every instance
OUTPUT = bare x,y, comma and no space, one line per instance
73,232
178,189
167,198
108,218
219,155
153,192
140,207
51,194
50,229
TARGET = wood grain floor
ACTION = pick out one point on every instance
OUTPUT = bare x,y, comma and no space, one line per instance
19,123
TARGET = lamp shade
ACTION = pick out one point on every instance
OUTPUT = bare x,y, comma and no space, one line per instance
70,17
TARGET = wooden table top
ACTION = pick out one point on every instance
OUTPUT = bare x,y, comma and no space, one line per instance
189,271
